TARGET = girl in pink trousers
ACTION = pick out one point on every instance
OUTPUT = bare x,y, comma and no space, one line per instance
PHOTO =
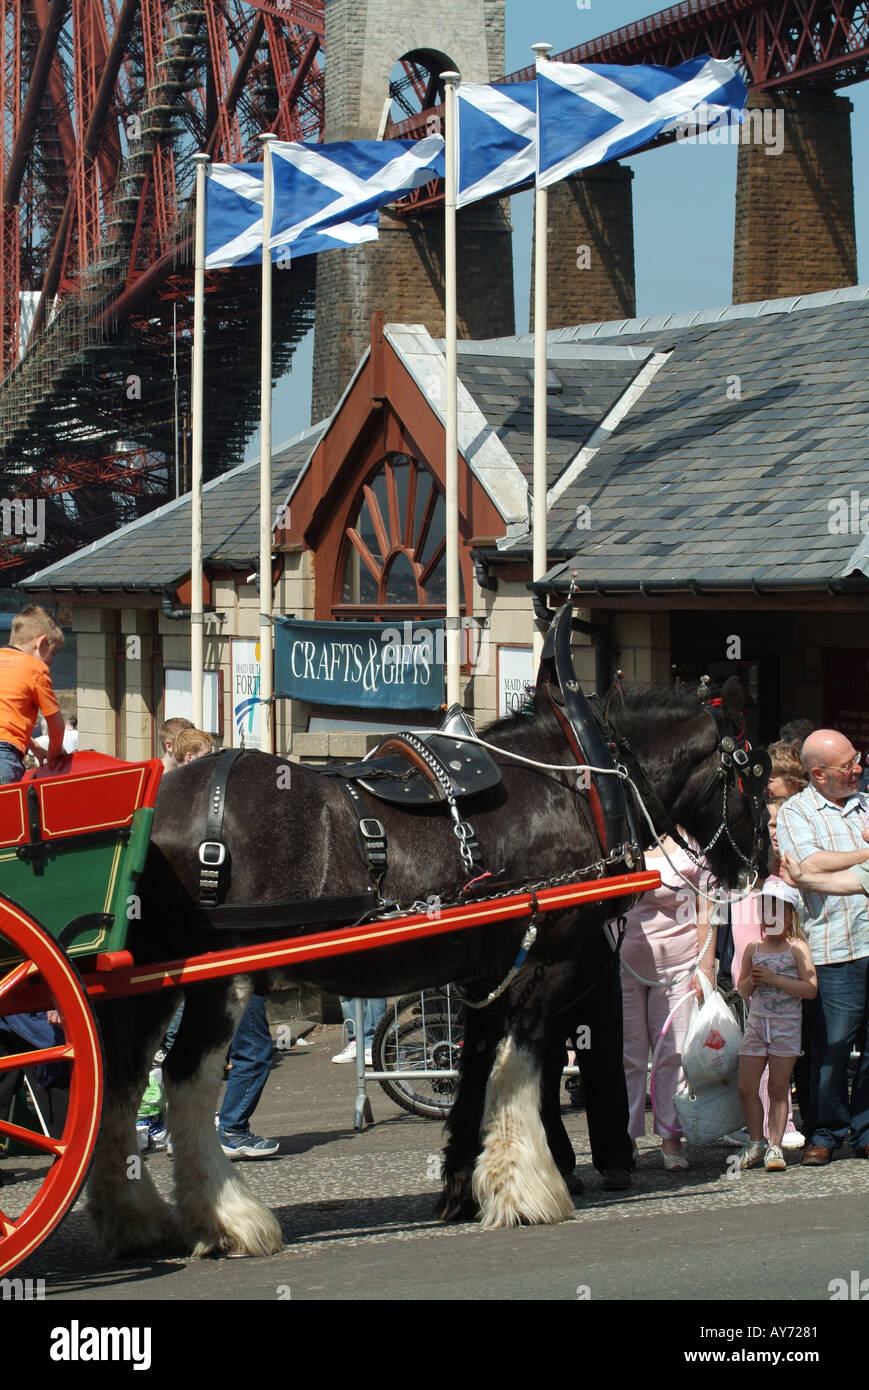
665,932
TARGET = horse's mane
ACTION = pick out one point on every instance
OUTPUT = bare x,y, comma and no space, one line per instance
535,715
656,700
653,701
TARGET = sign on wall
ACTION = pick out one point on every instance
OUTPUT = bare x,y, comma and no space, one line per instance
368,665
246,708
515,671
178,697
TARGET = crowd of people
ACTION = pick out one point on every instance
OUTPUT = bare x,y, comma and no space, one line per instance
791,956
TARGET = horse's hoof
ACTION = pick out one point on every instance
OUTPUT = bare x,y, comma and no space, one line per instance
575,1185
456,1202
616,1180
456,1211
242,1228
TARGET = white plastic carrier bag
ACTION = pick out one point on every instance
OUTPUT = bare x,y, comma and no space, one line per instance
710,1051
708,1107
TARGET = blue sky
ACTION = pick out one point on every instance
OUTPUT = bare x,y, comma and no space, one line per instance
683,199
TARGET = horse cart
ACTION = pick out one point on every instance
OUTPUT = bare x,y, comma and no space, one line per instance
72,848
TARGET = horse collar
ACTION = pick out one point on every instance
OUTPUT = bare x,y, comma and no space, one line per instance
609,804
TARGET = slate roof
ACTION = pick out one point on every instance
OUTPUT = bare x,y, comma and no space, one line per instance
153,553
694,487
579,395
709,447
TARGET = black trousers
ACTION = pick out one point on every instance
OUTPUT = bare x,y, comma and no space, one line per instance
597,1030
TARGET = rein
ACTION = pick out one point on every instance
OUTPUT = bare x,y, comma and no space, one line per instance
621,771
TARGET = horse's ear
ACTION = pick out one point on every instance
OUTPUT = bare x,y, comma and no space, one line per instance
733,699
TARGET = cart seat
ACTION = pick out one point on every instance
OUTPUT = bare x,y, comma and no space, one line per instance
93,793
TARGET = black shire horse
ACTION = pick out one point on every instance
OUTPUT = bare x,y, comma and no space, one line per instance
507,1149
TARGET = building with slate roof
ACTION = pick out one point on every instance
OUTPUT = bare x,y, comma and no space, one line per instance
708,503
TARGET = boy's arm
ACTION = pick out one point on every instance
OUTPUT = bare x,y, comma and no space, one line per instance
55,727
50,711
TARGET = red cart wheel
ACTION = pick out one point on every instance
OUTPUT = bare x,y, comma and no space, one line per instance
60,988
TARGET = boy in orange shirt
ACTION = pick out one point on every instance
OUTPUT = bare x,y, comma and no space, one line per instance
25,691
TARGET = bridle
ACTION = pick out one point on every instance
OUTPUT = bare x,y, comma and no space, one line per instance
741,769
746,769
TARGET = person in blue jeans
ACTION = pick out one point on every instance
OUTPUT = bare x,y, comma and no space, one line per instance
251,1058
374,1009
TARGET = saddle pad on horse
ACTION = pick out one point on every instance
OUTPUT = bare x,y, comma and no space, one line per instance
426,766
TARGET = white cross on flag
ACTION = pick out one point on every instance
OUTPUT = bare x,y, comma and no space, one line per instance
577,116
590,113
497,138
325,196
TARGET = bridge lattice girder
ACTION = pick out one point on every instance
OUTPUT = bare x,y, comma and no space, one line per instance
102,105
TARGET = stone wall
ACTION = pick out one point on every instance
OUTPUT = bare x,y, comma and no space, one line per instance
402,273
590,249
795,229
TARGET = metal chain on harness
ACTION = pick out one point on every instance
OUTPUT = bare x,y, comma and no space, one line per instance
462,829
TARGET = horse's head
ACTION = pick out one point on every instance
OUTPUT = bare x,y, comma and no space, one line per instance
702,773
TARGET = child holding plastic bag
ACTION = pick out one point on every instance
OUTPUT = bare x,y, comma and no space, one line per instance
777,974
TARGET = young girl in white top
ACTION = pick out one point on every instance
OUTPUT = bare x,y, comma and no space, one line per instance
777,973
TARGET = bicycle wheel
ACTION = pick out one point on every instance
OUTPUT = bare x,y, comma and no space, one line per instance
421,1032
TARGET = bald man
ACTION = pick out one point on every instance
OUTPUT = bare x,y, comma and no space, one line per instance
819,831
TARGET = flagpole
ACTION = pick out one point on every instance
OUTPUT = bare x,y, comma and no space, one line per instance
539,564
266,599
451,479
197,621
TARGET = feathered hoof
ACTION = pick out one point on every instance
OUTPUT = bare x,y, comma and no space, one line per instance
253,1233
456,1202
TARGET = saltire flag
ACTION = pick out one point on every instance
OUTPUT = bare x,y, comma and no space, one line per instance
496,146
590,113
325,196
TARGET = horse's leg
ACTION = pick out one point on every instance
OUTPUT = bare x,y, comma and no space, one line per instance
483,1030
127,1215
215,1210
516,1179
596,1019
554,1057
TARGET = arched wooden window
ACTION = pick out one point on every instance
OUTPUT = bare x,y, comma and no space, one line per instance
394,551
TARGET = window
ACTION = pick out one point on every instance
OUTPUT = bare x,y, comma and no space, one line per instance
394,553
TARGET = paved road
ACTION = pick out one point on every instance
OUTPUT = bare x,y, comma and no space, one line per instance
355,1209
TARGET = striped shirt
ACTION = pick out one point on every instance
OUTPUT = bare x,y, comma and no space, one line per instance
837,927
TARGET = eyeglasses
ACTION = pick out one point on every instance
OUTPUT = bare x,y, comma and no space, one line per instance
849,767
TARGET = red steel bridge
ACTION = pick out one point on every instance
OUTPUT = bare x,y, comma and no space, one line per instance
103,104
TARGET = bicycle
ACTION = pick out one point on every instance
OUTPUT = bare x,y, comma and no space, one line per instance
421,1032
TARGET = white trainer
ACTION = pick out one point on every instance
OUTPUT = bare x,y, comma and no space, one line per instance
347,1054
